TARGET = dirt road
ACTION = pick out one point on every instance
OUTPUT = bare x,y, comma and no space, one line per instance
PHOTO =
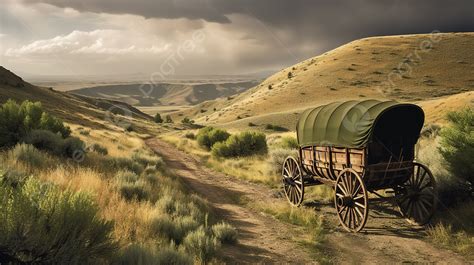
262,239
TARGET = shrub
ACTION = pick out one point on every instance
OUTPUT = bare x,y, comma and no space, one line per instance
190,135
16,121
168,204
290,75
186,120
41,224
289,142
99,149
242,144
137,190
158,118
142,254
55,144
201,245
208,136
149,160
457,144
123,163
72,147
29,155
225,233
45,140
277,158
175,228
131,187
168,119
276,128
53,124
84,132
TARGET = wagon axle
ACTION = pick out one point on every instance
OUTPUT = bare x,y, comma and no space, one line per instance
345,201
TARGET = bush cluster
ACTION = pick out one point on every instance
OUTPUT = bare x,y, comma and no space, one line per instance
42,224
275,128
54,143
225,233
208,136
190,135
457,144
242,144
131,187
99,149
16,121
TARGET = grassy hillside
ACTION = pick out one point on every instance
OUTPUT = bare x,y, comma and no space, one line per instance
166,94
79,110
412,68
101,196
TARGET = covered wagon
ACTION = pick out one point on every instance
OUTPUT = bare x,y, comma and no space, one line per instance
361,147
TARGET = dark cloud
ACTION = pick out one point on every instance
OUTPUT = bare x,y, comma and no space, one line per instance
275,33
337,21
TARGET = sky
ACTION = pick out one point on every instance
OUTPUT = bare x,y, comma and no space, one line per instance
202,37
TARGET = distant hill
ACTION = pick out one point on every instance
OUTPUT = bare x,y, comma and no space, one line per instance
413,68
166,94
71,108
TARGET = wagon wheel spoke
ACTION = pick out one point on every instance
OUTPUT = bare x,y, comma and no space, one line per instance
356,191
342,188
345,215
416,199
420,179
359,213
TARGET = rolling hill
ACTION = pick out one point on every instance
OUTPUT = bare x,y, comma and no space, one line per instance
178,94
411,68
81,110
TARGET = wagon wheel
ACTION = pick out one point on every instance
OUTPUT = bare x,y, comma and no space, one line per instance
293,184
417,197
351,200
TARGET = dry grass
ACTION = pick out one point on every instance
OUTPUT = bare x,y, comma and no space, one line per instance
132,219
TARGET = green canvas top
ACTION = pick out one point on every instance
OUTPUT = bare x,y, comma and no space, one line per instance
351,123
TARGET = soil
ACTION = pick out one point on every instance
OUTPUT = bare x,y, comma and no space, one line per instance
386,238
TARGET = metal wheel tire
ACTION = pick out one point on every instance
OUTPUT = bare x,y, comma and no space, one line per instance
417,198
293,184
351,200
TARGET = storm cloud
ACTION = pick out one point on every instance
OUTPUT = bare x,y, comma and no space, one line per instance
246,35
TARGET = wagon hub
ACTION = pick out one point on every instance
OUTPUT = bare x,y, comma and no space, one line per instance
345,201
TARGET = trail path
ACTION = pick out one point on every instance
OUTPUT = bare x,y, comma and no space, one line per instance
387,238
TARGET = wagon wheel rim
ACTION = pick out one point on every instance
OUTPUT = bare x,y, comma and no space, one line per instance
293,184
351,200
417,198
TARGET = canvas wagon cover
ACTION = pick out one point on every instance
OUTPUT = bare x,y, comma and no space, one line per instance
350,123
